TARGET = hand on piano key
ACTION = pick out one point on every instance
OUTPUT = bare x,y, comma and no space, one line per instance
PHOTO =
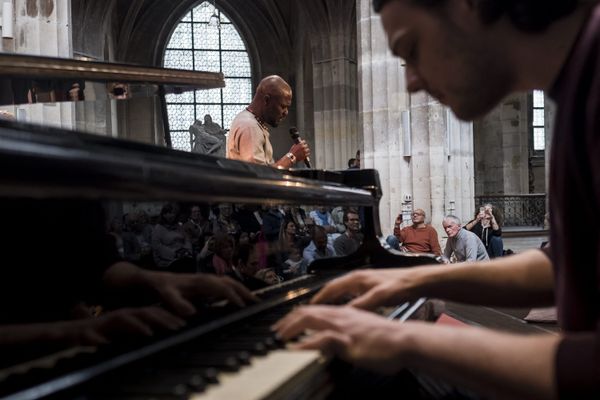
179,291
359,337
123,324
370,289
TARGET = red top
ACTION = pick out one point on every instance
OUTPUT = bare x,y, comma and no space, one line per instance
419,240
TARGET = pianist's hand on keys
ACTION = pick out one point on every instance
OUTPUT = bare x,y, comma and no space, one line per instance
362,338
373,288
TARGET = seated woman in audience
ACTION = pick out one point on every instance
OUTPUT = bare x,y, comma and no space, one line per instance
137,239
169,241
486,226
287,236
222,260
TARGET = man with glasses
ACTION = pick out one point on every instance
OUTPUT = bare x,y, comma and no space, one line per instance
417,238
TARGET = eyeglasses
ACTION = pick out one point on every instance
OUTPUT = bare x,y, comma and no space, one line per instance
416,213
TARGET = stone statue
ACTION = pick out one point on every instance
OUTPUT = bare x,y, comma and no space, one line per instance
208,138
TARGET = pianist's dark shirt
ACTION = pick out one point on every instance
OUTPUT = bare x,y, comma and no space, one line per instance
54,254
574,202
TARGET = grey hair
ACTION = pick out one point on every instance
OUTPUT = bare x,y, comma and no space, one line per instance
453,218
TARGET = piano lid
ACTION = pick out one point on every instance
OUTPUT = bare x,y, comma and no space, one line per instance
25,77
43,162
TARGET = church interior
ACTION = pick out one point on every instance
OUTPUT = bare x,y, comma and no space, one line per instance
155,158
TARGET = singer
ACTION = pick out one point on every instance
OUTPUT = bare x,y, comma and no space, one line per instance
249,135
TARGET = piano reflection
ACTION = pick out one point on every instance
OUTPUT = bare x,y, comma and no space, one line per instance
75,204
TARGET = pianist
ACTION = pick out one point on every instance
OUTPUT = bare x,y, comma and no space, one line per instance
57,258
249,134
470,55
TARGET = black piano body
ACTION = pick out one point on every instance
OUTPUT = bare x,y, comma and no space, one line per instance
42,165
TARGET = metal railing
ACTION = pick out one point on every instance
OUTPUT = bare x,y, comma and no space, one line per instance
518,209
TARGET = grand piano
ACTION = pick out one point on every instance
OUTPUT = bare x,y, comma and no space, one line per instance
224,352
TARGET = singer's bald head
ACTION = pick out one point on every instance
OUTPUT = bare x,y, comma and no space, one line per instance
272,100
273,85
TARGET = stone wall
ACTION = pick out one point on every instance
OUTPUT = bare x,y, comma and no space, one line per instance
422,152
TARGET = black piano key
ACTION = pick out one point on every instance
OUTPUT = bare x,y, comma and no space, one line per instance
156,388
244,357
218,361
197,383
252,346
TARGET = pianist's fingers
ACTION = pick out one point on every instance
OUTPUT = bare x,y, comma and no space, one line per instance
384,294
352,284
306,318
359,337
374,288
330,343
133,322
178,291
226,288
242,291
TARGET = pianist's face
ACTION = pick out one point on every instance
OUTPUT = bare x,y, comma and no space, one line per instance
449,53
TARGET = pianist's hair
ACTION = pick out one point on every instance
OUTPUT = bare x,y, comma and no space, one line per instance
525,15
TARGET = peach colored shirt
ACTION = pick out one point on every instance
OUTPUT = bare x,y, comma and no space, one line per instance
249,141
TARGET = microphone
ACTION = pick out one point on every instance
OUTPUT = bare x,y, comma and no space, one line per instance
296,139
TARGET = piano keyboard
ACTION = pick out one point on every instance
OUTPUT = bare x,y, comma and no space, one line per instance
281,374
235,357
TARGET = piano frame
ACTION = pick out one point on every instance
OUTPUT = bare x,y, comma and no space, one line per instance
41,163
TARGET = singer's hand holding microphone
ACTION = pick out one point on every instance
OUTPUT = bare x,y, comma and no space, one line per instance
300,149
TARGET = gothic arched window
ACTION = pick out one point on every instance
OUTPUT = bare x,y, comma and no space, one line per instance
206,40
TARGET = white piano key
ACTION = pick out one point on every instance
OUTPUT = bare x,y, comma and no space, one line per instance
262,379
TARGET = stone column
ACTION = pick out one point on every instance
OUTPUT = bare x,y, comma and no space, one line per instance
333,47
429,157
502,149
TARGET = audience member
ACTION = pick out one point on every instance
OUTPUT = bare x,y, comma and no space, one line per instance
272,221
225,223
137,239
287,237
197,227
222,259
169,242
322,217
417,238
295,265
463,244
348,242
487,229
337,215
319,247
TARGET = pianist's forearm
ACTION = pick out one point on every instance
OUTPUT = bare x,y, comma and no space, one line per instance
523,280
495,365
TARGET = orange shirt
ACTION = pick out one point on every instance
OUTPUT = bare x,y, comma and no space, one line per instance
419,240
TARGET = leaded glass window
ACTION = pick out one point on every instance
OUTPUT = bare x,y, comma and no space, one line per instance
539,121
206,40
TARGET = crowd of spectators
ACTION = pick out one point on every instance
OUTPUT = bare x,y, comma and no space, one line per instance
256,245
479,239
